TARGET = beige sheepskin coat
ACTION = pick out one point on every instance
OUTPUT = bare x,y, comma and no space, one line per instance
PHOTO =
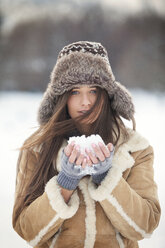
118,213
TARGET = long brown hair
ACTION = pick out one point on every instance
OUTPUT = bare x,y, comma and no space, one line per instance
49,138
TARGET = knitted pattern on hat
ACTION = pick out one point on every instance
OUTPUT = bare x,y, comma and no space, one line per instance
86,63
85,47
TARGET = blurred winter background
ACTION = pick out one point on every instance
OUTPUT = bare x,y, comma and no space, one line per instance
32,32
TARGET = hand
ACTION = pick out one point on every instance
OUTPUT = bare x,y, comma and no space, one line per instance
74,156
101,160
72,167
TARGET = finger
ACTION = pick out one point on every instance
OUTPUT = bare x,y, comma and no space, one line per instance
89,162
98,152
69,148
74,154
84,163
110,147
80,159
104,150
91,156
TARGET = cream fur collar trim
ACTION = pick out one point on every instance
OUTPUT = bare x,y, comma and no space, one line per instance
122,161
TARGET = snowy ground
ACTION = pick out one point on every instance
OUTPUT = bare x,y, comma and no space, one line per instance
18,121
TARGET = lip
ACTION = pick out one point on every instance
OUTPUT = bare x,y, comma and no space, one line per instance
82,112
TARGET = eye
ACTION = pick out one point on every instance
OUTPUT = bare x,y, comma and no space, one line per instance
94,91
74,92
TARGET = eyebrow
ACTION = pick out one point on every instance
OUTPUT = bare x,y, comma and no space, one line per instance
87,86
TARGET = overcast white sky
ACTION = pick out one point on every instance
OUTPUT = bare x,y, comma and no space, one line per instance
121,5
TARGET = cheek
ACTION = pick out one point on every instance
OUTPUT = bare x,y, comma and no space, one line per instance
93,99
70,105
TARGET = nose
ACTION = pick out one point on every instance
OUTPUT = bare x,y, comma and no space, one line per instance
85,100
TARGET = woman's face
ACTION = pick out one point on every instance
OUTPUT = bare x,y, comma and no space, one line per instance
81,100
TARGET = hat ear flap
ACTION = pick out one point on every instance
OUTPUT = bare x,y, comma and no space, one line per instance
47,106
122,101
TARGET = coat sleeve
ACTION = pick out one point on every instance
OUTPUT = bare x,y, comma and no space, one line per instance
42,219
131,204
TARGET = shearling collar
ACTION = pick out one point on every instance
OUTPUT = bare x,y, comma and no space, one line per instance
122,160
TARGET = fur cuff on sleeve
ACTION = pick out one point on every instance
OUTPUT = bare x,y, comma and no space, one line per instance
57,202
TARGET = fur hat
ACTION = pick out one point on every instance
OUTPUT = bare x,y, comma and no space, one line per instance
80,63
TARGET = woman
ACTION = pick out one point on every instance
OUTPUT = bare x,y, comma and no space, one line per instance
58,203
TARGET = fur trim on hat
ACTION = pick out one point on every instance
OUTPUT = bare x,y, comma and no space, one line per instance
89,67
